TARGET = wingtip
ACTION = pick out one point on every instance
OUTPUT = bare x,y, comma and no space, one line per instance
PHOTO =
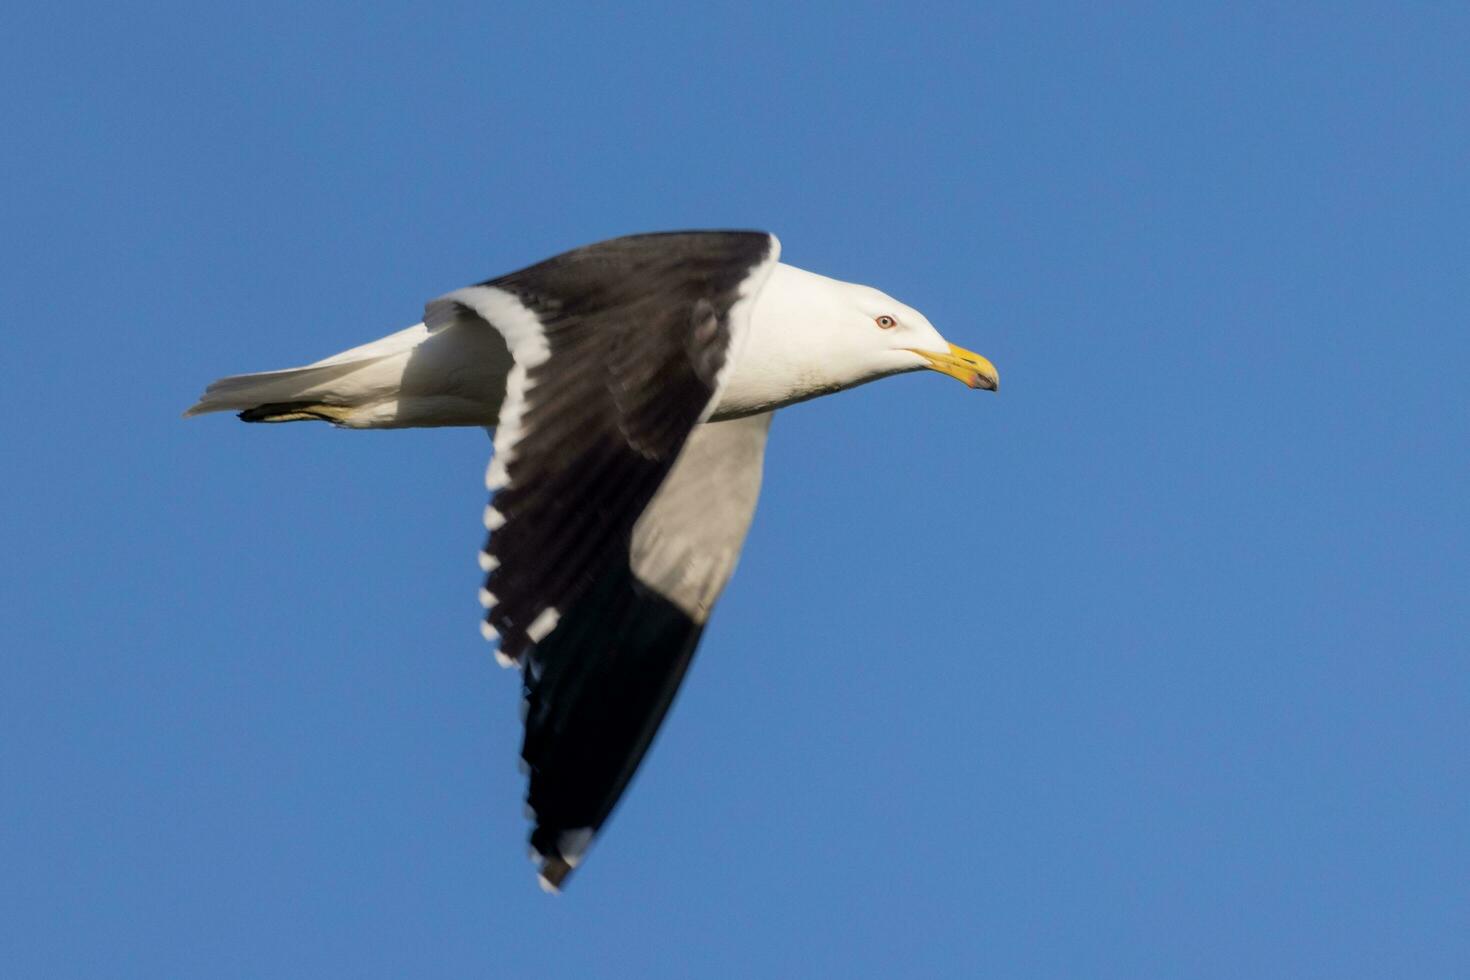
552,873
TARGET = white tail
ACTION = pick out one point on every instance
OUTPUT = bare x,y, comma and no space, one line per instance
452,376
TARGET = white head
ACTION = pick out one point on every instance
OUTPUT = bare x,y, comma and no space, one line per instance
811,335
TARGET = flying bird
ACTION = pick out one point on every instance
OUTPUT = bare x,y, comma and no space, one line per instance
629,386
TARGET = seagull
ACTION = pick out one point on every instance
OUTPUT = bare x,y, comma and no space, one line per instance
628,387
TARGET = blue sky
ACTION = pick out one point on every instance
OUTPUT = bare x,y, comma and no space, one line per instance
1154,665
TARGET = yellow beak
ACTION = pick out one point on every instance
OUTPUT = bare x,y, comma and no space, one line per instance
963,365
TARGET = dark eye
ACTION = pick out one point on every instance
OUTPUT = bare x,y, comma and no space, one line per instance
886,322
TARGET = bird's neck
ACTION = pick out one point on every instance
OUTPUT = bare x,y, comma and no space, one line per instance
787,354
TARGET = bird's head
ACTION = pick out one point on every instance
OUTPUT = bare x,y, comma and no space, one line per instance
846,334
892,337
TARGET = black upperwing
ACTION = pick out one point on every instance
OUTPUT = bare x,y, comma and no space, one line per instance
620,352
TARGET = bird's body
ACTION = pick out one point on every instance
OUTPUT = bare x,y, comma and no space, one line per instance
630,386
456,376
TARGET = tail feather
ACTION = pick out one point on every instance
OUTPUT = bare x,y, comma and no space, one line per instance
313,384
246,393
454,375
304,411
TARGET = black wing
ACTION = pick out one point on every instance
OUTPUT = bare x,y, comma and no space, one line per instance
621,350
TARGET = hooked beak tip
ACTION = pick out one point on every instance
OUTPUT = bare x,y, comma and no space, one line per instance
965,366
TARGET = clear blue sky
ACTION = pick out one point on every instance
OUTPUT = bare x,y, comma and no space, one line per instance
1156,665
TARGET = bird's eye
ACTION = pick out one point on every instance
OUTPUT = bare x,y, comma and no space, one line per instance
886,322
